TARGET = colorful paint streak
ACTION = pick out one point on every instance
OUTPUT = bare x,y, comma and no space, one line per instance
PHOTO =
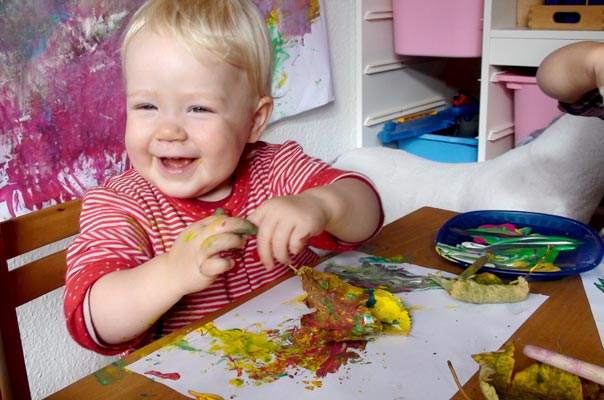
62,109
266,356
377,272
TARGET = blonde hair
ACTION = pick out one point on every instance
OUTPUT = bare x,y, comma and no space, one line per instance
234,30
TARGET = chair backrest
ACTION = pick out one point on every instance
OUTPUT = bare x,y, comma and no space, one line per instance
30,232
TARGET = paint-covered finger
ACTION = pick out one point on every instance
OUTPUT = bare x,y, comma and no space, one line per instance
223,241
221,223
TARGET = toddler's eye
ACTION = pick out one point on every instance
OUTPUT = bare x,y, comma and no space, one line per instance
146,107
198,109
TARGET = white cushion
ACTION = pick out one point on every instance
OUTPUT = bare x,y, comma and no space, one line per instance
561,173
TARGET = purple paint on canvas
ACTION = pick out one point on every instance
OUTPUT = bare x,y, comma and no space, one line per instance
265,6
295,16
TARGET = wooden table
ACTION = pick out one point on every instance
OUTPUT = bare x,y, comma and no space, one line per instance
564,323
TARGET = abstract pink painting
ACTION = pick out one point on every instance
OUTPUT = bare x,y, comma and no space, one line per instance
62,112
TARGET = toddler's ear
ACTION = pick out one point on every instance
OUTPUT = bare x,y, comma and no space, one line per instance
260,118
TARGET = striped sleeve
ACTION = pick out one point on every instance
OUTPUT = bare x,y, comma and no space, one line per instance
111,239
291,171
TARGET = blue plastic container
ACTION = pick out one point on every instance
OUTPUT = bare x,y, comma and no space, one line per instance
441,148
420,136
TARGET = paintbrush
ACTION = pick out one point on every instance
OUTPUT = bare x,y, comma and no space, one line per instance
571,365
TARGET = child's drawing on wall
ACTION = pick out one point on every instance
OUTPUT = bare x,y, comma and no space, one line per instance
61,99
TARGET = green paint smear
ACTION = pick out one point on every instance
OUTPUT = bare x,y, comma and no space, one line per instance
112,373
600,285
182,344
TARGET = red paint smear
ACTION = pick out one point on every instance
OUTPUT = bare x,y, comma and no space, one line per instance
504,227
170,375
339,354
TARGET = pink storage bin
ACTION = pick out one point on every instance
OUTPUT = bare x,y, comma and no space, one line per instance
533,109
439,28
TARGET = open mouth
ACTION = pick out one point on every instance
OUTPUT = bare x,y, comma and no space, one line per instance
177,164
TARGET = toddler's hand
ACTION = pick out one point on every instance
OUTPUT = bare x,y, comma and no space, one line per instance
284,226
600,78
195,257
597,61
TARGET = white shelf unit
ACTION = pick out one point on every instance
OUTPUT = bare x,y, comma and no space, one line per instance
391,86
506,46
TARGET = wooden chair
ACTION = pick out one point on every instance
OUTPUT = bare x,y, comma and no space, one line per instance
18,236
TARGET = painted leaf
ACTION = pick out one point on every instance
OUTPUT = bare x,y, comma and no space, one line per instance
346,312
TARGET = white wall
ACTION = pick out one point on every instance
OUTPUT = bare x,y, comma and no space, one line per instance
53,359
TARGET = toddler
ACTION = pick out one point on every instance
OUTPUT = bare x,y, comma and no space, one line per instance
208,212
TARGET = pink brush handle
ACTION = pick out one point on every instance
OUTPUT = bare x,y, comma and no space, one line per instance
576,367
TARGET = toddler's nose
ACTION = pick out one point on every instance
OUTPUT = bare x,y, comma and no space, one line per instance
170,130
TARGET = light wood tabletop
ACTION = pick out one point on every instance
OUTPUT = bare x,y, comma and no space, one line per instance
564,323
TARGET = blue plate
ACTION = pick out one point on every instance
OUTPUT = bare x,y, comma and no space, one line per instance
571,262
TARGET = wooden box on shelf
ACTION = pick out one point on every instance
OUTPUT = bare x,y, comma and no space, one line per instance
577,18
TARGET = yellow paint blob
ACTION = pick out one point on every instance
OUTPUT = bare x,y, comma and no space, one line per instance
205,396
389,310
237,342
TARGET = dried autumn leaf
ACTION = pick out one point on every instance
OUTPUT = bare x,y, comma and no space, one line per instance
484,287
537,382
495,370
471,291
547,382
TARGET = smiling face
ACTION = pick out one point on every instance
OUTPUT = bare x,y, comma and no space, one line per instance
187,121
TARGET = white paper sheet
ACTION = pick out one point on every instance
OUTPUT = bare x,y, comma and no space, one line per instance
595,295
391,367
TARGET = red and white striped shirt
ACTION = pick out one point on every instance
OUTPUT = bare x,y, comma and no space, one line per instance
129,221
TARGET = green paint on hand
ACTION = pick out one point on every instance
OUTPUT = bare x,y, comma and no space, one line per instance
251,230
189,236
